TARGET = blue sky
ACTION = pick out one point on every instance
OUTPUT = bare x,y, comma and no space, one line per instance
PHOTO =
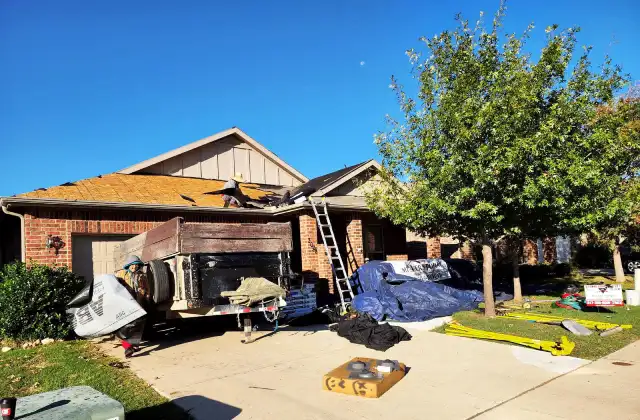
91,87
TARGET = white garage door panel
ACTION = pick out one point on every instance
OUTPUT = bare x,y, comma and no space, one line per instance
93,255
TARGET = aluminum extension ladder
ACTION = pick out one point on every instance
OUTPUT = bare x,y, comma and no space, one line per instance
333,253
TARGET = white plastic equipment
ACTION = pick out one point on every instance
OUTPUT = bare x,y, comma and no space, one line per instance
111,308
633,297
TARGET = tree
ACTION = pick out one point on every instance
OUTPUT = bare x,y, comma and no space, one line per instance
494,145
618,213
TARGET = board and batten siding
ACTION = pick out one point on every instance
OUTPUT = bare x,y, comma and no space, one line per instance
221,160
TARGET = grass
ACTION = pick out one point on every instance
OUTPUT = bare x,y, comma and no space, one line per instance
64,364
587,347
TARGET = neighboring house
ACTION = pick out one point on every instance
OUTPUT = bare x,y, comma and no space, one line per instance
94,215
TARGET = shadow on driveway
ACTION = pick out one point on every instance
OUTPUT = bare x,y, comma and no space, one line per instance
189,407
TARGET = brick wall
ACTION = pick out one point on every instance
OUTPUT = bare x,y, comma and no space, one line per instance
42,222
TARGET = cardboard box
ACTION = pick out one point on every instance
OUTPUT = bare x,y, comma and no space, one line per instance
338,380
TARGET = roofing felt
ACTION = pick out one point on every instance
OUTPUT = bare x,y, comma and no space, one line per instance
323,181
145,189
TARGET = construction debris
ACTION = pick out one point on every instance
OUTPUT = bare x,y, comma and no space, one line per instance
544,318
362,329
364,377
564,347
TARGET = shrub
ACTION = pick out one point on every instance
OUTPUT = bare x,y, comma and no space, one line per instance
594,256
33,300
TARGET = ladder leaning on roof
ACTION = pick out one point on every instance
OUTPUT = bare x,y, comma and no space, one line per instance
333,253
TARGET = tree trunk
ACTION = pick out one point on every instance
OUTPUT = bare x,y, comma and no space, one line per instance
617,262
487,278
517,287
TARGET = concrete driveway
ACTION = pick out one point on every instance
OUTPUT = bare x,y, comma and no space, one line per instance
280,376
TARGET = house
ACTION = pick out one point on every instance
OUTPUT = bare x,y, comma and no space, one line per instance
78,224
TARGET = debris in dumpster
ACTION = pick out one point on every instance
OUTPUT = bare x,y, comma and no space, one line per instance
564,347
362,329
593,325
253,290
364,377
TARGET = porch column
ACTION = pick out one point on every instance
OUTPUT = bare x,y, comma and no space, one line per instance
433,247
308,246
530,252
355,244
549,250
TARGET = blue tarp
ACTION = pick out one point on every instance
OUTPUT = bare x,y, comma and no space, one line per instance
387,294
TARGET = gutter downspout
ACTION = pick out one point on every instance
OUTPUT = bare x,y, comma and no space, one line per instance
23,245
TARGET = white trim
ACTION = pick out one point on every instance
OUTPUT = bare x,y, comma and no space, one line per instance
226,133
347,177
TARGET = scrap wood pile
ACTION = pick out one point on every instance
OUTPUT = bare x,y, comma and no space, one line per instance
564,347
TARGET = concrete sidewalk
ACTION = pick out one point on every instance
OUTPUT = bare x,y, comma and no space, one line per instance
450,378
605,389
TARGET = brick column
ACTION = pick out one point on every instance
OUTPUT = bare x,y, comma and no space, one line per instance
433,247
355,245
308,246
549,250
530,252
466,251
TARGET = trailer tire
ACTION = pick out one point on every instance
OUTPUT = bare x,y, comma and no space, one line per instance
159,281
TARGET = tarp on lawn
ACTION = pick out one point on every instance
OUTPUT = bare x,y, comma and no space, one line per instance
401,297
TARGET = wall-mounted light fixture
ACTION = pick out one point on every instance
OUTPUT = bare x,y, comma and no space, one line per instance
54,242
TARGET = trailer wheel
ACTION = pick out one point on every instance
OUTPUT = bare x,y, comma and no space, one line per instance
159,281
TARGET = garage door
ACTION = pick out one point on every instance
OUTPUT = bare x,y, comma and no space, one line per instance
93,255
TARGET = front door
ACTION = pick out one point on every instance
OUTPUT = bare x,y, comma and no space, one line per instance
373,243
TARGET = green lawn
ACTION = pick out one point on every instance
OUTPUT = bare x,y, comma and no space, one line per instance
64,364
587,347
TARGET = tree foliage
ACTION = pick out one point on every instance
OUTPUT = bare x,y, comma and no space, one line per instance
618,212
494,143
